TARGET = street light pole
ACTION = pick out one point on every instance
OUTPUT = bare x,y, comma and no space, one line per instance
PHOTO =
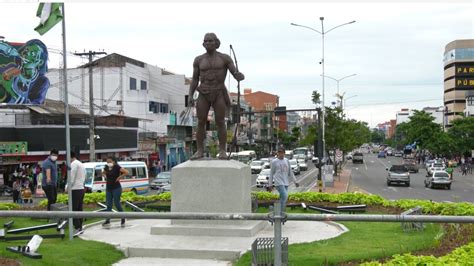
323,33
339,80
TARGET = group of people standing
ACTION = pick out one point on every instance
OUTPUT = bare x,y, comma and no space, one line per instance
113,173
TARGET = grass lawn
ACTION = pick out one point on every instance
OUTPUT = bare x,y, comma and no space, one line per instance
60,251
364,241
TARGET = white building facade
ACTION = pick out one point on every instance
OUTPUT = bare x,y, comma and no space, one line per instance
128,87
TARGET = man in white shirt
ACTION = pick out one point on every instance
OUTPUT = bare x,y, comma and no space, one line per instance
280,174
78,176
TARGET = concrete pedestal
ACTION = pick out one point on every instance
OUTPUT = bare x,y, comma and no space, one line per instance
210,186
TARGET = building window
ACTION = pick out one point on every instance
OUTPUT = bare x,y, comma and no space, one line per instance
164,108
156,107
186,99
268,106
143,85
470,101
133,84
119,102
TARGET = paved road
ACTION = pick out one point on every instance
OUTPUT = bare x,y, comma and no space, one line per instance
306,179
371,177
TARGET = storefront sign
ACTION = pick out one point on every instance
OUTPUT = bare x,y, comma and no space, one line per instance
13,148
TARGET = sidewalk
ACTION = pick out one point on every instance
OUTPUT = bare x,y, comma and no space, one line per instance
341,183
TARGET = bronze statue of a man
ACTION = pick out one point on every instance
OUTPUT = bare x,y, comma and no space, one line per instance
209,73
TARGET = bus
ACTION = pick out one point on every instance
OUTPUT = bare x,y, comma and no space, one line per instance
136,181
246,156
302,153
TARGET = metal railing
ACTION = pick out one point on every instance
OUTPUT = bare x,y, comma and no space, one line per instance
275,218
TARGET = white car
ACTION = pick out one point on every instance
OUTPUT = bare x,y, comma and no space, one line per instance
435,167
303,165
256,166
266,163
262,178
439,179
295,166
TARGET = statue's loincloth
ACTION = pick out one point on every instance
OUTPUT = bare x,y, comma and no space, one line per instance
212,94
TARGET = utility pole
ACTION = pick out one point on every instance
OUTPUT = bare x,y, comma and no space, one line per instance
90,54
250,133
318,146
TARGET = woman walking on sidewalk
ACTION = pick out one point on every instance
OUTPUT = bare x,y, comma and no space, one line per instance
113,173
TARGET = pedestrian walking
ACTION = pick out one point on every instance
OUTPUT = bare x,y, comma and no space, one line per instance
50,177
450,171
280,175
113,173
77,178
464,169
16,190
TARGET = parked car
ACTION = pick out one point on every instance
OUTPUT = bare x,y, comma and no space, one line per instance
398,154
411,165
358,158
398,174
389,152
303,165
266,163
435,167
161,180
295,166
381,154
256,166
438,179
262,178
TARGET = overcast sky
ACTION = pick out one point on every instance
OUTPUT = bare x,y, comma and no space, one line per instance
396,49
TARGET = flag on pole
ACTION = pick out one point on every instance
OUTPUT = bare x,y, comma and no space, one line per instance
50,14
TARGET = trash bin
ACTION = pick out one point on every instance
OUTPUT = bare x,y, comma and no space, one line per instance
263,251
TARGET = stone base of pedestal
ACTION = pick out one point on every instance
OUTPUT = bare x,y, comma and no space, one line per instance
210,186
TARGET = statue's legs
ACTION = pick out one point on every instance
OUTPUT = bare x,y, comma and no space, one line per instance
202,109
220,109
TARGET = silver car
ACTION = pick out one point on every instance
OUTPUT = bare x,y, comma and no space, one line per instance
438,179
398,174
303,165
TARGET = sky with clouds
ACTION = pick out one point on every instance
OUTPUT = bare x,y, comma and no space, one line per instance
396,49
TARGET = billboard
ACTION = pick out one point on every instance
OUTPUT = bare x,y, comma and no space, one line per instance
13,148
23,68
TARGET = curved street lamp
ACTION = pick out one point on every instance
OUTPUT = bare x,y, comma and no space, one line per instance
323,33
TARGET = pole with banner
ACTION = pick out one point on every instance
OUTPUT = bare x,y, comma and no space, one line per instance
51,14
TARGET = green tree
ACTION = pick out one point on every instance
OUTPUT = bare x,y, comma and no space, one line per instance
377,137
462,134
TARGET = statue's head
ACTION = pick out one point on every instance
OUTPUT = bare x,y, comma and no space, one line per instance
211,41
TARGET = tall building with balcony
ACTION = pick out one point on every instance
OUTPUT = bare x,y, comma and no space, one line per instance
458,78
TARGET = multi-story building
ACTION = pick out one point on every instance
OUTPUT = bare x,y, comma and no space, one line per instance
403,115
469,110
125,86
458,77
264,124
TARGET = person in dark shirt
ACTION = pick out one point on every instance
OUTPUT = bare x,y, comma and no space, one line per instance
50,175
113,173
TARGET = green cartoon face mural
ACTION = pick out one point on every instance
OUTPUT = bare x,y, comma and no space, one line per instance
23,69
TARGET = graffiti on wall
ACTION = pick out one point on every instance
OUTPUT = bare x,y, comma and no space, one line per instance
23,68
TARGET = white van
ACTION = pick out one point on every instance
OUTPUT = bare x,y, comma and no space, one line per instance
289,154
136,180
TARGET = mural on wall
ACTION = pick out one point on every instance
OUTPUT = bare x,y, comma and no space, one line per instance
23,67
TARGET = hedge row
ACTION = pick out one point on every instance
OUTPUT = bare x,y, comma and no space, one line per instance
461,256
429,207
